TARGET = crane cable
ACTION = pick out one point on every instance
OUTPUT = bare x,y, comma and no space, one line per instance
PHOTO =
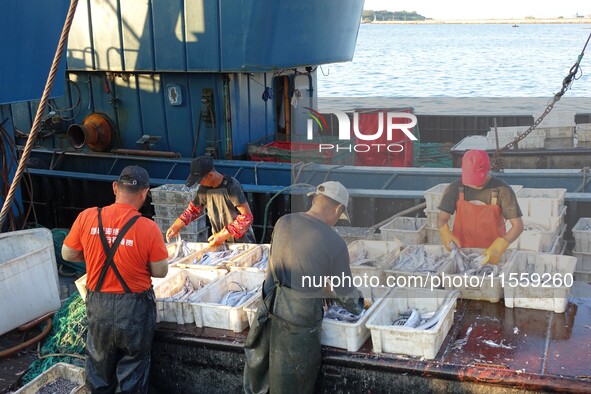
566,85
40,111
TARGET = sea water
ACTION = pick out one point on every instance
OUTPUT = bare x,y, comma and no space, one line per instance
463,68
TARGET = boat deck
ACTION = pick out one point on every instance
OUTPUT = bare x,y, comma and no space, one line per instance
490,348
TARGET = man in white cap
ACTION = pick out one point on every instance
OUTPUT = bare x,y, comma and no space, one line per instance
283,346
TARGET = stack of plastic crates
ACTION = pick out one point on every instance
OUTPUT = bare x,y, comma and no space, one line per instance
169,202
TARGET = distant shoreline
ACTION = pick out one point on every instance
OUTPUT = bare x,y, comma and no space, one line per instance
524,21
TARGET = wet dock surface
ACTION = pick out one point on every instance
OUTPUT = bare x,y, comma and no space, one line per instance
489,347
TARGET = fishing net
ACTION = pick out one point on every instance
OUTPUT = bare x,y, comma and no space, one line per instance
433,154
67,340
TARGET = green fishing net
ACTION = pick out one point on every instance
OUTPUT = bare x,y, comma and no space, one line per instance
67,340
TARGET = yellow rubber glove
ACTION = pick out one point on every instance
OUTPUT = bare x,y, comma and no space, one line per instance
493,253
447,237
174,229
219,238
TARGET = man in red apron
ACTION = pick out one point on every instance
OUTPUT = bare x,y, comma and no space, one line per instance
481,203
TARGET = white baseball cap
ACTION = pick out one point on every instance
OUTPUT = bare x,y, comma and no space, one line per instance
337,192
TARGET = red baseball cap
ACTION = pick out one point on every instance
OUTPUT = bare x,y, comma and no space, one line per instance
475,167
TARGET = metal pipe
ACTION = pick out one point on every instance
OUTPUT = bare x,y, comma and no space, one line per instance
422,205
148,153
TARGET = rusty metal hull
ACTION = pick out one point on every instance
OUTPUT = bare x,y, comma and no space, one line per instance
542,352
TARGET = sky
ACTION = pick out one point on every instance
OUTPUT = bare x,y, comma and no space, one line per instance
474,9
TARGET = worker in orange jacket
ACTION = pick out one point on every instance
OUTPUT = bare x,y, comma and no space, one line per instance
481,203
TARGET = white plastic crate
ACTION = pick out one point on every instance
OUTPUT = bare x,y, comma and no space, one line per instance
421,343
245,261
351,234
433,196
558,246
417,279
582,234
339,334
548,222
410,231
583,261
209,313
478,288
558,131
432,219
181,312
29,284
541,202
173,194
169,210
81,282
382,252
433,236
350,336
548,290
251,307
191,261
582,276
193,228
534,140
73,373
584,132
536,240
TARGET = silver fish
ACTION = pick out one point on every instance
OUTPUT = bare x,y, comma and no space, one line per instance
417,259
439,314
334,311
185,292
236,298
263,262
471,264
409,319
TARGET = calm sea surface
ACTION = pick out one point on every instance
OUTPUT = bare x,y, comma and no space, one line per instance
425,65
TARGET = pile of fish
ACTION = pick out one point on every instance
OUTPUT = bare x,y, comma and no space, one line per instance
417,259
218,259
187,294
471,264
413,319
177,250
334,311
235,298
362,260
263,262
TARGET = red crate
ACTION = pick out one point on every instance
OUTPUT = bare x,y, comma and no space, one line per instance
380,157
